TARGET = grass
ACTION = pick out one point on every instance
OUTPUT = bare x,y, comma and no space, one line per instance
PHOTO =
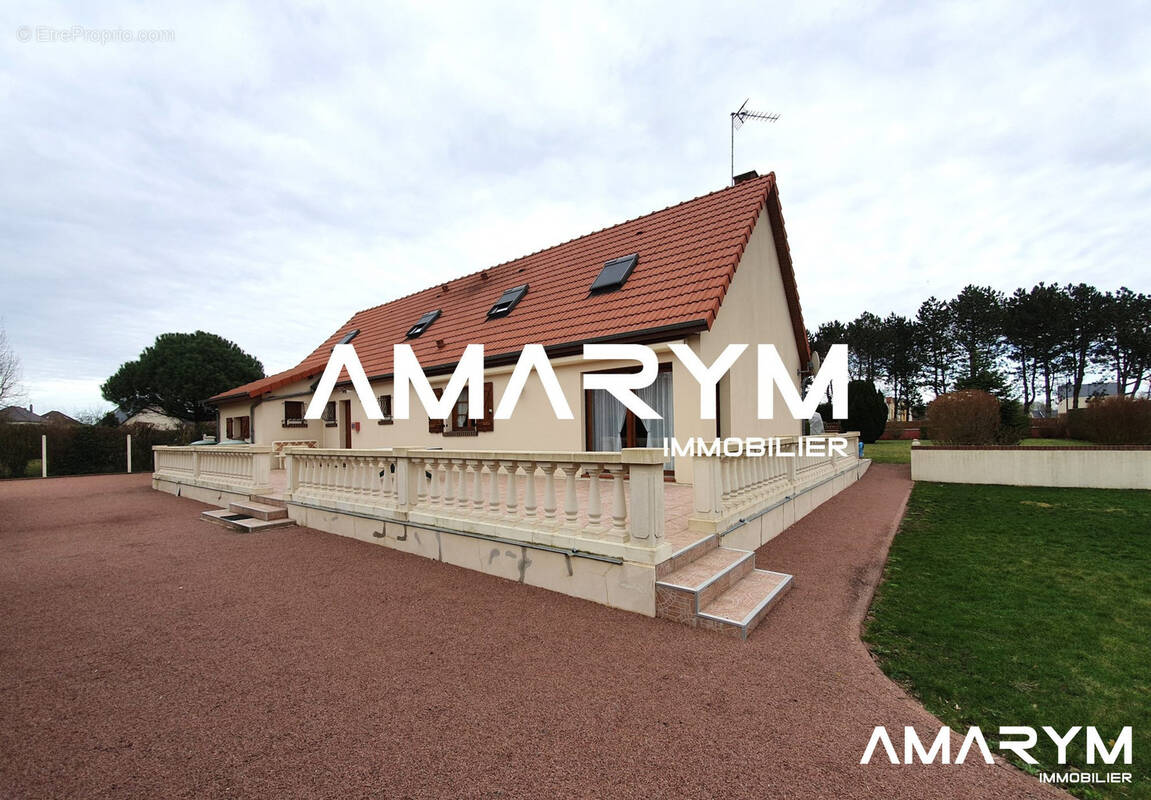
898,451
1022,606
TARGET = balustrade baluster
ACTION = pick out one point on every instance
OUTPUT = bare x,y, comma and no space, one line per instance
512,504
549,492
594,505
571,502
530,490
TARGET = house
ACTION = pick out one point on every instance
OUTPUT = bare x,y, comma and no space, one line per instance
151,416
592,506
708,272
60,418
18,415
1066,394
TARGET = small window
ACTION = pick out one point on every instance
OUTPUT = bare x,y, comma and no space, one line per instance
461,424
294,414
614,273
507,302
423,323
330,414
350,335
386,407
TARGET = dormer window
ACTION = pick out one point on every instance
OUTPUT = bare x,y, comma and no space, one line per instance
423,323
507,301
614,273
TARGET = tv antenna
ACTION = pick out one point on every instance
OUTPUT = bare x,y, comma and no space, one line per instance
737,120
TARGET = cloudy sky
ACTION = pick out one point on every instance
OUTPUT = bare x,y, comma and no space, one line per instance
271,168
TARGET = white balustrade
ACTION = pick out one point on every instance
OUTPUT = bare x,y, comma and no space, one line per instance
614,497
241,468
728,487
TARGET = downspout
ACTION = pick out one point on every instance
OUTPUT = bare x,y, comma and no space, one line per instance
252,418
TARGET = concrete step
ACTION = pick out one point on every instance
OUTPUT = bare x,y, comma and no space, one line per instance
743,606
227,518
683,593
259,510
269,500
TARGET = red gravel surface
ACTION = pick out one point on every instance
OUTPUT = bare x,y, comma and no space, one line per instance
144,653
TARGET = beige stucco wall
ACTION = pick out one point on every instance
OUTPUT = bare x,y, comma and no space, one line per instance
754,311
1097,469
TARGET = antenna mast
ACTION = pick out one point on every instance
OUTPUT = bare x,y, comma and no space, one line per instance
737,119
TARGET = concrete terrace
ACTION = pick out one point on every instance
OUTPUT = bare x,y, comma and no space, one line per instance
146,653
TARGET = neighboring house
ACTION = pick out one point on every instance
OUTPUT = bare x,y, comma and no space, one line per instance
18,415
147,416
707,272
60,418
1066,394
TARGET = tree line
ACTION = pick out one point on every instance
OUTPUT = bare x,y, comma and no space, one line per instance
1033,340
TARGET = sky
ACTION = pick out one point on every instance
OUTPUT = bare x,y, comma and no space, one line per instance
263,171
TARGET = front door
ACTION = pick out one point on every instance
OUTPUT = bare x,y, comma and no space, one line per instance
346,422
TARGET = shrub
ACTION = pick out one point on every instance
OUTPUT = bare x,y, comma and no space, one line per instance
1049,427
1013,422
866,411
970,416
1112,420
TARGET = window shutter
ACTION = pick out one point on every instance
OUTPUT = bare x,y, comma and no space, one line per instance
245,427
436,425
488,423
230,428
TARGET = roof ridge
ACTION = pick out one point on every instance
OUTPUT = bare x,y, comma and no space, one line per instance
769,175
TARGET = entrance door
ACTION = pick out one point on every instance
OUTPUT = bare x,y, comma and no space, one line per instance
346,421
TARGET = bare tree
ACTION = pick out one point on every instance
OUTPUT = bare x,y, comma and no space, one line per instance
10,387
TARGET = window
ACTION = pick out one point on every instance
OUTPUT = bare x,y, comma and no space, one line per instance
239,427
422,323
612,426
294,414
330,414
459,423
386,407
614,273
508,300
350,335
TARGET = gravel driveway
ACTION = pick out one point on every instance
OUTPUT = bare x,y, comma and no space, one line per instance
146,653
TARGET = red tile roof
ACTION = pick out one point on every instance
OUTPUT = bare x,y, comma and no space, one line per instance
688,255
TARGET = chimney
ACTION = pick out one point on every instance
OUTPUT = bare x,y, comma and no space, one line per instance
746,176
30,411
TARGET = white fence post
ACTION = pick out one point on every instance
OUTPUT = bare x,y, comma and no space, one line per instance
129,454
43,455
645,482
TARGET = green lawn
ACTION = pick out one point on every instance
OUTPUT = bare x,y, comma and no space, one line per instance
1025,606
898,451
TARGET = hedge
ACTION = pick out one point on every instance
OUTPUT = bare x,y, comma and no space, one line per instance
83,449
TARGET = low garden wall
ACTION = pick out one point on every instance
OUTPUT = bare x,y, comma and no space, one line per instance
1103,467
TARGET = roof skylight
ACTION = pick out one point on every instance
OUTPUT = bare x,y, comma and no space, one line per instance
614,273
507,301
422,323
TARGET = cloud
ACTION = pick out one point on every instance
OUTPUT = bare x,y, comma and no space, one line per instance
266,174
